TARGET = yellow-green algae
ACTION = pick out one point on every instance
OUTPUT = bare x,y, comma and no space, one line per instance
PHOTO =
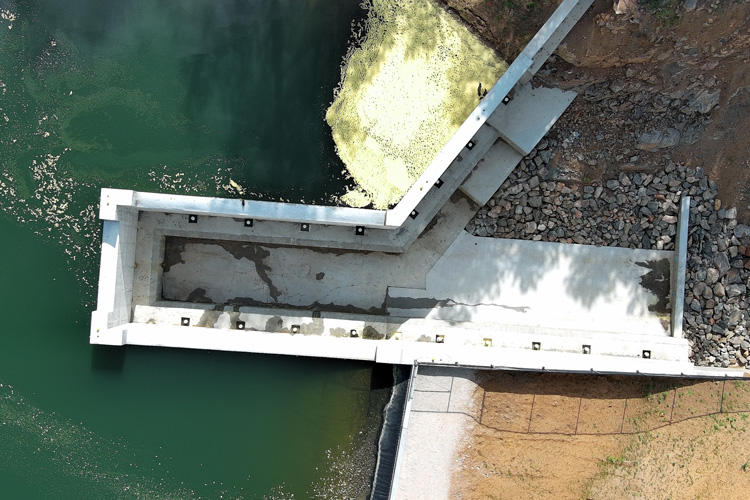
404,92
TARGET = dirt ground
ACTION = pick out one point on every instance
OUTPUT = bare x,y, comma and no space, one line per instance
587,436
657,82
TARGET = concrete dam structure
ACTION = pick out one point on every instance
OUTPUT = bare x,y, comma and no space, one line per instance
403,285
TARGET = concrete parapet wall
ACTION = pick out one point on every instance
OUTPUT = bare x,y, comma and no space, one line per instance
395,352
266,210
679,267
396,332
116,272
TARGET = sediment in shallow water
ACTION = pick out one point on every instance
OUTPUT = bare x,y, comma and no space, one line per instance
415,77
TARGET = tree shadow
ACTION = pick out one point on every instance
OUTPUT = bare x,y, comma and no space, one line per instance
591,277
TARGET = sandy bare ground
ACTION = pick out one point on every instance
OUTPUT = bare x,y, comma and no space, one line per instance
580,436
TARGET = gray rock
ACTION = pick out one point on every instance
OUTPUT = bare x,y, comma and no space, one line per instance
702,101
719,290
616,86
721,260
733,276
735,317
736,290
741,230
712,275
690,5
658,139
530,227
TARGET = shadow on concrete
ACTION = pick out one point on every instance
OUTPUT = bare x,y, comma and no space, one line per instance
589,276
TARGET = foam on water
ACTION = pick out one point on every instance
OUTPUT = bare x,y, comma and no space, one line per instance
61,452
62,137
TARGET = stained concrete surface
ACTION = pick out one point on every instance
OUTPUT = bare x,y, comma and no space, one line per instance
544,284
477,279
284,276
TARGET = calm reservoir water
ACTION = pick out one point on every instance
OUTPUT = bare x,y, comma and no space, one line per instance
177,96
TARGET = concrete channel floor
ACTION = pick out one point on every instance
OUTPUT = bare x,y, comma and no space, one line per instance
469,279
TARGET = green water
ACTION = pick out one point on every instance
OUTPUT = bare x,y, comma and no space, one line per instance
177,96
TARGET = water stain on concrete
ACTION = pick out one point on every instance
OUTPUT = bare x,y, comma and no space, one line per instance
199,296
339,332
208,319
372,334
174,247
320,276
657,281
256,254
274,324
315,306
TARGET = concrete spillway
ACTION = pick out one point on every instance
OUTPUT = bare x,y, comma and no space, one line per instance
401,285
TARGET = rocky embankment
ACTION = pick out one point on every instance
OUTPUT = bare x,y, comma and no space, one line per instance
639,210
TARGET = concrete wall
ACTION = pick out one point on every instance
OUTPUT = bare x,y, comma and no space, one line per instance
116,272
404,428
679,267
398,352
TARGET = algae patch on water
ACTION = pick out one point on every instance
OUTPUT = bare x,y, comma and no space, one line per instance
405,90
